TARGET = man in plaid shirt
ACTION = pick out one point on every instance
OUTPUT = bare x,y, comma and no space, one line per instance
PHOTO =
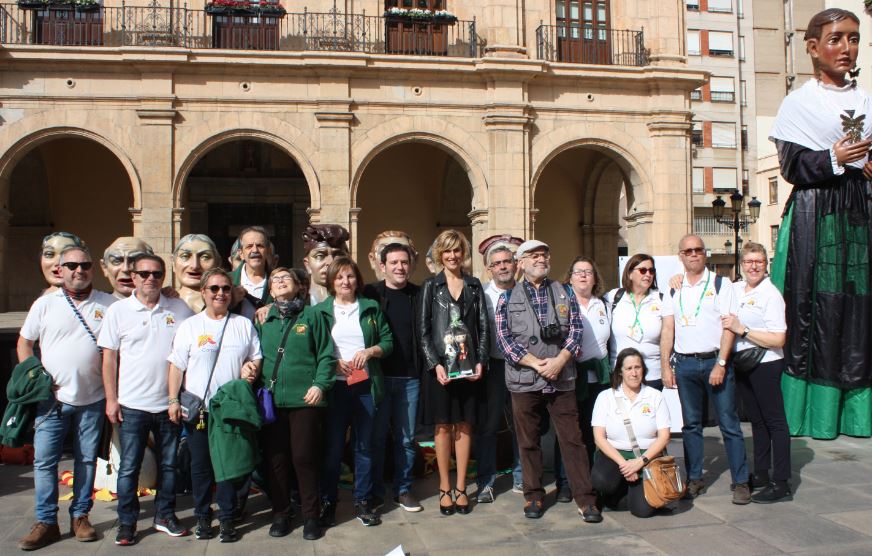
539,331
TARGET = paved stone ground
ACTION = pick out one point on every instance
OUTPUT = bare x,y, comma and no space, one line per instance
831,514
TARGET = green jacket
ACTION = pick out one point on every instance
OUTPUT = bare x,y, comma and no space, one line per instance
30,383
376,331
233,425
308,360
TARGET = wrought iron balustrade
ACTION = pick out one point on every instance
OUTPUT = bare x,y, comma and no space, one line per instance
580,44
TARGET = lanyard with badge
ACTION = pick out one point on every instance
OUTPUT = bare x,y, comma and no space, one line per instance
690,320
635,331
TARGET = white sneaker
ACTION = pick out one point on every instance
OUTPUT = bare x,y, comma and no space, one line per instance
518,488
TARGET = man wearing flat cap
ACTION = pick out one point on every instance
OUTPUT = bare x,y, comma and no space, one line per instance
322,243
498,252
538,328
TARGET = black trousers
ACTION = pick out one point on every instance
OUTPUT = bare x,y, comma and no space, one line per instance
608,481
761,395
293,447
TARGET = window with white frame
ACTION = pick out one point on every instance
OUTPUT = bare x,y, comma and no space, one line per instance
723,89
724,178
723,6
698,180
720,43
723,135
696,134
693,42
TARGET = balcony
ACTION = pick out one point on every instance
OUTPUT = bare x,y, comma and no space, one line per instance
588,45
157,26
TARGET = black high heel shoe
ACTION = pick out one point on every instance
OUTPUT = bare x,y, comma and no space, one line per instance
446,510
461,508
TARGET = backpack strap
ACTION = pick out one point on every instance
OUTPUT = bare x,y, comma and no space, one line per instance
618,295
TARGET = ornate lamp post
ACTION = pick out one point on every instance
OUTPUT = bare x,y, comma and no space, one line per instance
736,219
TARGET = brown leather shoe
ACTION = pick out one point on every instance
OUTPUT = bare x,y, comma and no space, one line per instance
40,535
82,529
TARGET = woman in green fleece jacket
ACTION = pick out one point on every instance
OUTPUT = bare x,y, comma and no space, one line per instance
299,376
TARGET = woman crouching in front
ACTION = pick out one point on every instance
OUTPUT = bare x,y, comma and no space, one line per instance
617,472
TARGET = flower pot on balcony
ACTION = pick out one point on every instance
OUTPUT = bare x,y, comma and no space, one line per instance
416,33
245,8
60,6
242,25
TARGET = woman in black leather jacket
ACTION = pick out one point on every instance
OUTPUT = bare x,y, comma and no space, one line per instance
454,340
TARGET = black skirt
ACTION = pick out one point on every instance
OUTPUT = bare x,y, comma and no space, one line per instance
456,402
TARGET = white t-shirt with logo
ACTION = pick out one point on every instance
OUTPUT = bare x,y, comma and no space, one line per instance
196,343
761,309
67,351
596,329
143,337
644,335
648,414
698,327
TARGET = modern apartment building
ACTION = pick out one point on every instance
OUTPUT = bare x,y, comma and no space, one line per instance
564,120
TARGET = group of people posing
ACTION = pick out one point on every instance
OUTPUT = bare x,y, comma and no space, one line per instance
286,360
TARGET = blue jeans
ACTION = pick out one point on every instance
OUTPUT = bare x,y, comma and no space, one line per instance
53,420
133,432
499,411
693,385
400,404
350,405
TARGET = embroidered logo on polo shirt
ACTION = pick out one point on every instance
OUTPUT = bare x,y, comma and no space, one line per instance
710,293
646,409
170,320
751,302
602,313
98,314
300,329
655,308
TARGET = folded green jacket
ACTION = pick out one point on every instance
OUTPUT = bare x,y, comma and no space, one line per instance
233,425
30,383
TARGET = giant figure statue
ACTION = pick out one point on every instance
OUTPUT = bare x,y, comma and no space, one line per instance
117,263
50,257
194,254
322,243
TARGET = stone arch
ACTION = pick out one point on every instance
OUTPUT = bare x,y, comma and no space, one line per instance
26,144
230,135
439,133
622,148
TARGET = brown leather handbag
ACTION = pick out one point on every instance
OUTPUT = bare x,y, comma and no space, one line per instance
661,478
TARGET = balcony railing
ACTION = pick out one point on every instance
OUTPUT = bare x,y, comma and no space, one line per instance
590,45
723,96
186,28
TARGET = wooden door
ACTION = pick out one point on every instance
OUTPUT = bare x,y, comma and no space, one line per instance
583,31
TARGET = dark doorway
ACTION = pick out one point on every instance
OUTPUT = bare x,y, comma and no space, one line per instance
226,220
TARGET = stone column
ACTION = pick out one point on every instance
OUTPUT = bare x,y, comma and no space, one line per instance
508,170
504,32
5,269
670,172
334,120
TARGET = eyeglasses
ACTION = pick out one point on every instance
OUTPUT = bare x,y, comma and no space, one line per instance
145,274
643,270
73,266
222,289
584,272
754,262
538,256
282,278
693,251
501,263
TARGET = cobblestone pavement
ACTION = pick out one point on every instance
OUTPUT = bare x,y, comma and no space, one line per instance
831,514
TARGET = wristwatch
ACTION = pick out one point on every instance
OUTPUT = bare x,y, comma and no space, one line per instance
645,460
746,332
722,362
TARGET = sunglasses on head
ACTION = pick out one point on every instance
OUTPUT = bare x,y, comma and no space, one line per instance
223,289
73,266
144,274
645,270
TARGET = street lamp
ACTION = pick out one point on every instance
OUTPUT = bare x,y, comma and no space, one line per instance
736,220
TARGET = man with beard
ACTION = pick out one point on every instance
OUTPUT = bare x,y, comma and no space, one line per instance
539,331
118,262
322,243
499,258
251,291
194,254
66,324
397,298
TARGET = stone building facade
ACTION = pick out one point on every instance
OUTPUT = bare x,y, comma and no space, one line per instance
565,121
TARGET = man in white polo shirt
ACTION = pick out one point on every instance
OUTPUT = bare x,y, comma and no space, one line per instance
699,364
141,328
66,323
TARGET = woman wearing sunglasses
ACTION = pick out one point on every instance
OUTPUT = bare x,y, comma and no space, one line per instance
299,371
227,347
637,315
